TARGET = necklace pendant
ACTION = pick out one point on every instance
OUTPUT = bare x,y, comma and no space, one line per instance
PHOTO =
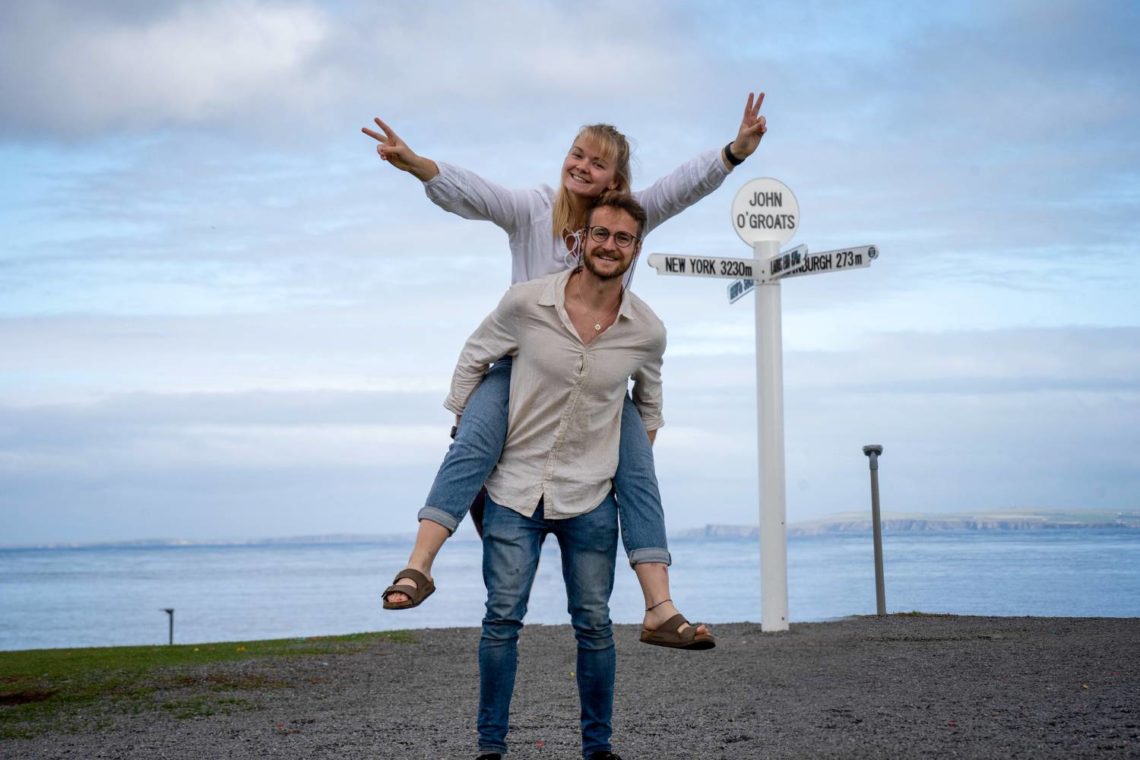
597,327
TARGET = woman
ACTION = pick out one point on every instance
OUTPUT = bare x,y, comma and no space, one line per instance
544,228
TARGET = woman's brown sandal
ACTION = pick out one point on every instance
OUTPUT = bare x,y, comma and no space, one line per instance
423,589
669,634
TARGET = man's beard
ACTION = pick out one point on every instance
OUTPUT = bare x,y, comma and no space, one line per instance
588,262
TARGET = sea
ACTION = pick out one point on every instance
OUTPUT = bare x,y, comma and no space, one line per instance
118,595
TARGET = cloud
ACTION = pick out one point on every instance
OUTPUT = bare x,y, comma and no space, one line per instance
525,56
952,177
979,362
78,70
216,465
969,420
86,358
263,68
177,435
1004,129
202,252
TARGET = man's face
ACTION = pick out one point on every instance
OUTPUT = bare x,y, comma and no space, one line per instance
606,259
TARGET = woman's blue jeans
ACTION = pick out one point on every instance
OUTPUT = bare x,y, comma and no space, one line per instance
512,544
479,443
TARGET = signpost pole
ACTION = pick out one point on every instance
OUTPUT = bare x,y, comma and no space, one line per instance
766,214
770,422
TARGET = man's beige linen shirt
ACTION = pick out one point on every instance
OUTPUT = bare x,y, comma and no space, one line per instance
564,416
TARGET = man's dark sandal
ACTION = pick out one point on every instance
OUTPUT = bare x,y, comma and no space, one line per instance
494,756
602,755
424,588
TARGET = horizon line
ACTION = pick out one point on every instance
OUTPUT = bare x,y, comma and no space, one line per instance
711,530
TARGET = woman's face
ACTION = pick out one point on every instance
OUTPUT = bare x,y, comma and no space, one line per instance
586,171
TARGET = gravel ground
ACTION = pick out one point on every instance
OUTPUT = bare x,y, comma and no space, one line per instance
894,687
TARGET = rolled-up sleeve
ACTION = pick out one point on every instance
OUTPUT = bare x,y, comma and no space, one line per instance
494,338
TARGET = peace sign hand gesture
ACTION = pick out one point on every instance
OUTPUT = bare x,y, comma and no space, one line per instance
396,152
753,127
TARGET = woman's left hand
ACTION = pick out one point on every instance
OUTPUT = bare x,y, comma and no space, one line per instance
752,128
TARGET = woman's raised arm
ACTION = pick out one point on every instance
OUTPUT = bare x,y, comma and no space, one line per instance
694,179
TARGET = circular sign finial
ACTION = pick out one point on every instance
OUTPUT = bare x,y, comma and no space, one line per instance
765,209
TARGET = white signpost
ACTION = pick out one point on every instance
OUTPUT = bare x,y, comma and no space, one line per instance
766,214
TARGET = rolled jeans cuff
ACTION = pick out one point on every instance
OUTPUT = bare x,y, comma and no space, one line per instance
648,554
439,517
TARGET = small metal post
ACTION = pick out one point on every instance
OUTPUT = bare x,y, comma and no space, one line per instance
170,613
873,451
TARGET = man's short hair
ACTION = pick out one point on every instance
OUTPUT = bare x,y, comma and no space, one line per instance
623,202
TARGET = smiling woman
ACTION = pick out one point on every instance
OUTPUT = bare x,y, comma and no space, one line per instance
546,230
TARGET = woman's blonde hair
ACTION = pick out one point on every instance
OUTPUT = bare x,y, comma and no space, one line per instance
615,149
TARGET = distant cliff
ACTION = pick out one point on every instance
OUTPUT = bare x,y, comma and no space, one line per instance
845,523
902,523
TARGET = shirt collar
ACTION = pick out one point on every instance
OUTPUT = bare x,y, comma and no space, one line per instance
554,294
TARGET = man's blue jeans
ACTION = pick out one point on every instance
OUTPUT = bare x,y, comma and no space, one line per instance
479,443
512,544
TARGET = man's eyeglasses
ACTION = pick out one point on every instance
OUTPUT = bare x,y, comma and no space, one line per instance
622,240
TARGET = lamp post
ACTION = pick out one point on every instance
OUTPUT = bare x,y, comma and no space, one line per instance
873,451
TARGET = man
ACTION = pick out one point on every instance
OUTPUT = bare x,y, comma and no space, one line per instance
577,338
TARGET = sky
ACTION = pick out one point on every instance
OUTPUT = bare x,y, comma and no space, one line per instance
222,316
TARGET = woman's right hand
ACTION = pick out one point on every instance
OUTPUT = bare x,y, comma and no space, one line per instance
753,127
396,152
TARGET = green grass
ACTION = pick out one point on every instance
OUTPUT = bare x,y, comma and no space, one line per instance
68,689
918,613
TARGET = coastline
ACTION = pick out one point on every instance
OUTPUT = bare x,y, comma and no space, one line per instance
847,522
863,687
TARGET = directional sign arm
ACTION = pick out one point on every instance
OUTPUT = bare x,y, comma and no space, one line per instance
792,263
740,288
837,260
707,266
781,264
